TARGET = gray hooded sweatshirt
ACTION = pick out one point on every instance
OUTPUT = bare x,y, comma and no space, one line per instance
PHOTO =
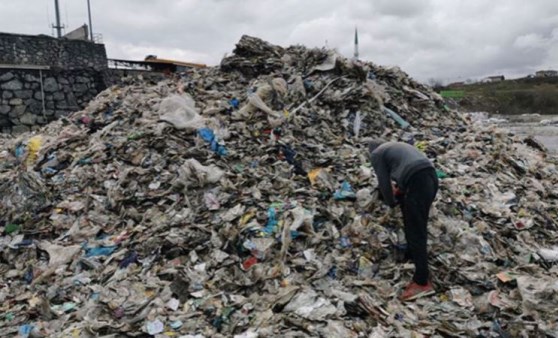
396,161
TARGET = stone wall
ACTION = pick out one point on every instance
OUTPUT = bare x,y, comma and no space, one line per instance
44,50
25,104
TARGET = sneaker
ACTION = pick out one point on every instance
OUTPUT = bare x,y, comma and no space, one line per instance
414,291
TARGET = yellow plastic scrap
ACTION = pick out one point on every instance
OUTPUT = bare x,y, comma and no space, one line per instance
522,213
33,147
444,298
247,217
421,145
313,174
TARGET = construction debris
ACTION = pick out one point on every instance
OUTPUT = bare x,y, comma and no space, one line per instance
238,201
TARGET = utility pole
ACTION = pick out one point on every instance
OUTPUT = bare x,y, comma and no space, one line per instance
90,22
356,44
58,25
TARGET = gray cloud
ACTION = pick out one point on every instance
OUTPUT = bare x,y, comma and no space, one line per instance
441,39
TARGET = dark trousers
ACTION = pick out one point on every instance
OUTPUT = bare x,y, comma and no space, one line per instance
415,205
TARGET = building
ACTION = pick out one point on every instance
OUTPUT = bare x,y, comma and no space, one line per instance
153,64
491,79
456,84
81,33
170,66
546,73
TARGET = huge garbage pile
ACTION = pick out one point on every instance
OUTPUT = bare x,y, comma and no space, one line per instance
238,201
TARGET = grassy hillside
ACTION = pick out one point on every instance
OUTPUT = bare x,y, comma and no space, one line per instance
521,96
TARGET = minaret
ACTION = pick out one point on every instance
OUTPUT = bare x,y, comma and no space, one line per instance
356,44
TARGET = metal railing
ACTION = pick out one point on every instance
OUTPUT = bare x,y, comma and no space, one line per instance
98,38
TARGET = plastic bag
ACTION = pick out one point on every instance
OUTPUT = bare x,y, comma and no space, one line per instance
27,152
194,171
538,294
257,102
550,255
328,63
180,111
209,136
309,305
357,124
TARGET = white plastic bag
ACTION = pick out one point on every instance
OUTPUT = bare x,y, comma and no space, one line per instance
180,111
194,171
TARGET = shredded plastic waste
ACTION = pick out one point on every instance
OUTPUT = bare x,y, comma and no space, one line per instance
135,224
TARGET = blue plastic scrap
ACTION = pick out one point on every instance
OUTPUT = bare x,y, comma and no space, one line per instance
345,242
271,221
408,138
20,150
497,327
346,192
177,324
99,251
49,171
95,296
289,154
209,136
129,259
24,243
332,273
28,275
308,84
234,103
25,330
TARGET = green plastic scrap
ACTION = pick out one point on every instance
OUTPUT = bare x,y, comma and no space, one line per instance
11,228
441,174
135,136
68,306
227,312
404,124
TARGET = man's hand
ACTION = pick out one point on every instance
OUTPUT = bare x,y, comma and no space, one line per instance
396,191
398,194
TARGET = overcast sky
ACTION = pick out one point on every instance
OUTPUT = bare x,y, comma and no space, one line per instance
442,39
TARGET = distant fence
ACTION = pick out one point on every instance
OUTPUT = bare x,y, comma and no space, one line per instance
452,94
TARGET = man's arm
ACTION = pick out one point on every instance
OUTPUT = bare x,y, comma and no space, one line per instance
384,180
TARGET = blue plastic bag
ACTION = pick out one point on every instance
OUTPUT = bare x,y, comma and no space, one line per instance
99,251
346,192
209,136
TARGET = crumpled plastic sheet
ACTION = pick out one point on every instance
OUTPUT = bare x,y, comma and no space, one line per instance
129,221
180,111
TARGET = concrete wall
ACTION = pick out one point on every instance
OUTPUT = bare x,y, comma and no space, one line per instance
30,98
48,51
